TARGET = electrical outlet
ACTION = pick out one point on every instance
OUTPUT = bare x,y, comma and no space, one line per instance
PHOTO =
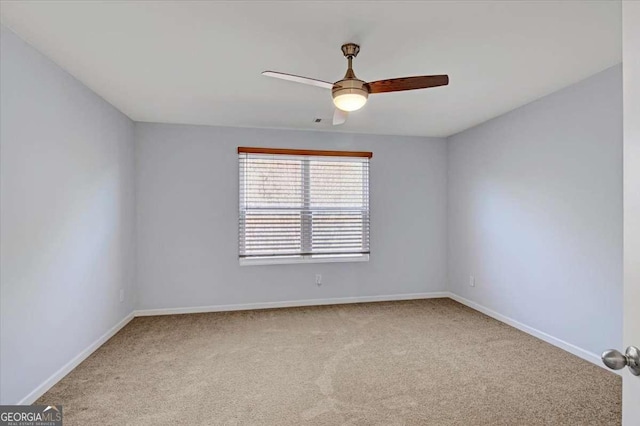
472,281
121,295
318,279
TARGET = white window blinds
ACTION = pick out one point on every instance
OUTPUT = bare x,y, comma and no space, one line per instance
303,204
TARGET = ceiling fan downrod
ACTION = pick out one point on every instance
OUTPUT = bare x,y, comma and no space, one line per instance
350,51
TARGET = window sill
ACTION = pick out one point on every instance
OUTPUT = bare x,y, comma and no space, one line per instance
302,259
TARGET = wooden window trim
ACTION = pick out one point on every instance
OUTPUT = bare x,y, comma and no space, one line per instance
319,153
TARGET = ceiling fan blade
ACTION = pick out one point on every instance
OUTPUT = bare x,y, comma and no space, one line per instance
408,83
299,79
339,117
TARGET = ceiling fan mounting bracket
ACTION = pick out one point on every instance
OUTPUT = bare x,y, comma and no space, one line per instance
350,50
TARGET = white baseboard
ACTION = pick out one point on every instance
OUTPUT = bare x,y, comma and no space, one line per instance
66,369
290,304
575,350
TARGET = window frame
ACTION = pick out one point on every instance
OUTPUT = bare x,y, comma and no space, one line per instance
306,211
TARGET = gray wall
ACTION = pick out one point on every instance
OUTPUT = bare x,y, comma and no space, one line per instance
535,213
67,218
187,206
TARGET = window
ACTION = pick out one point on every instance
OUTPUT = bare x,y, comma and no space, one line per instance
303,206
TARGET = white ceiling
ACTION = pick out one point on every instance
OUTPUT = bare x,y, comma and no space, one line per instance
199,62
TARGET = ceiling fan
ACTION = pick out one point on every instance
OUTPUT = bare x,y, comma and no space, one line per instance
351,93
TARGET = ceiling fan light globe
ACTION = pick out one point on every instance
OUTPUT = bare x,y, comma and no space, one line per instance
349,101
349,94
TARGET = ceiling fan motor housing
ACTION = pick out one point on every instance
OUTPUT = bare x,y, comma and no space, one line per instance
352,86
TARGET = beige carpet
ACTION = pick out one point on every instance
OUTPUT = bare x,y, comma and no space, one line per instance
427,362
